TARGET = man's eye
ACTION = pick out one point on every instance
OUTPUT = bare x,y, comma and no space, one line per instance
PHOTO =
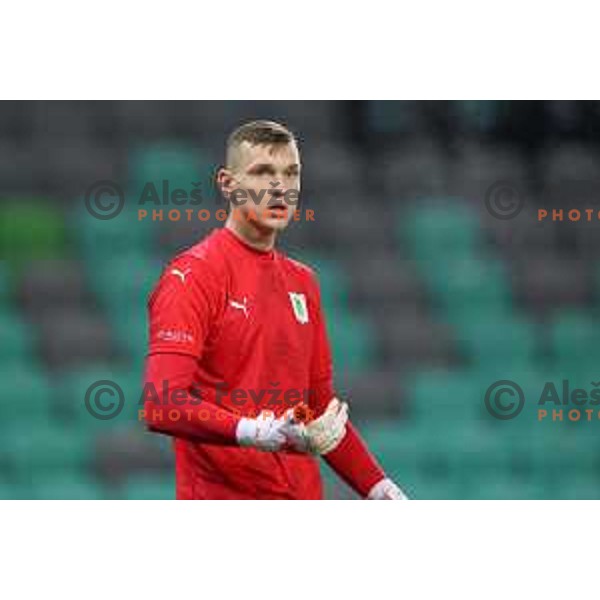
263,170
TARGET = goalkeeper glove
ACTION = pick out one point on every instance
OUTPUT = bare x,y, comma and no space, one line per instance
386,489
322,435
265,432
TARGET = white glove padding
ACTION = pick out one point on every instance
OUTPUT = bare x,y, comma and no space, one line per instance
265,432
386,489
321,435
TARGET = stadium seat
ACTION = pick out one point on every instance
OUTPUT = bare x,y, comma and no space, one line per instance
381,279
180,165
50,284
416,171
67,487
47,447
441,230
14,491
74,337
75,385
17,338
148,487
123,284
499,341
463,288
31,229
122,237
24,394
444,396
574,340
545,283
333,282
352,342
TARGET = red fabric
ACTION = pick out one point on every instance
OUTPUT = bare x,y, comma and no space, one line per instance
176,409
228,306
353,462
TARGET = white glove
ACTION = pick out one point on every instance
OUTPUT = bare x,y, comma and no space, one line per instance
265,432
386,489
321,435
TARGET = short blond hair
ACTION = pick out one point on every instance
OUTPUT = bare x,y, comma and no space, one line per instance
257,133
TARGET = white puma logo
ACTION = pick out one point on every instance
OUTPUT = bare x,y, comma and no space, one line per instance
181,274
241,305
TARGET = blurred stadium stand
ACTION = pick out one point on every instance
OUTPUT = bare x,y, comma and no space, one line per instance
429,299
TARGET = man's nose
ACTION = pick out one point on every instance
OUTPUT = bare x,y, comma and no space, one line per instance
277,189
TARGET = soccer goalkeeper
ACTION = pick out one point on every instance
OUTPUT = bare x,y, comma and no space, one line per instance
241,322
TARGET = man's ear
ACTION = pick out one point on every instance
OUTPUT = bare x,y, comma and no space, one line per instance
225,182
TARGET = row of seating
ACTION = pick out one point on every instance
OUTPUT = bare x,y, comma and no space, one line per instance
82,486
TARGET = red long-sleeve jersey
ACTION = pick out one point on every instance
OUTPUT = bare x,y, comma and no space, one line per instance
251,327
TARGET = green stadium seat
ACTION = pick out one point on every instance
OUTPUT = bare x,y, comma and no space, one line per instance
443,396
47,448
397,445
123,237
495,488
17,338
495,383
124,284
333,282
67,487
31,229
434,462
504,342
24,394
467,287
352,342
423,487
442,231
131,331
181,165
578,488
148,487
14,491
74,386
574,340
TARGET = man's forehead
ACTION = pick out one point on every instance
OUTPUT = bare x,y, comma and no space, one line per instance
277,154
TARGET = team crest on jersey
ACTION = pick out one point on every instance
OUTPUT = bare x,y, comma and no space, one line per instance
300,308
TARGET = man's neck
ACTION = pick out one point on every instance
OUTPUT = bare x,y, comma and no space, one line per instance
260,240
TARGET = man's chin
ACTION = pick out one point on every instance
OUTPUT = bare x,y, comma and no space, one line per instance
274,223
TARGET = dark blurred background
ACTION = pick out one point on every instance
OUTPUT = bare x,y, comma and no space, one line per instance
430,298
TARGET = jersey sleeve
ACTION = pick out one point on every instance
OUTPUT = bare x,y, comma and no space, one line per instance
183,307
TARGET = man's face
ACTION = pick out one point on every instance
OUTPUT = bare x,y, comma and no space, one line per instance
267,180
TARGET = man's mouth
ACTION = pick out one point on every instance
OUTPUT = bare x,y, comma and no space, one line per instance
278,206
277,211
